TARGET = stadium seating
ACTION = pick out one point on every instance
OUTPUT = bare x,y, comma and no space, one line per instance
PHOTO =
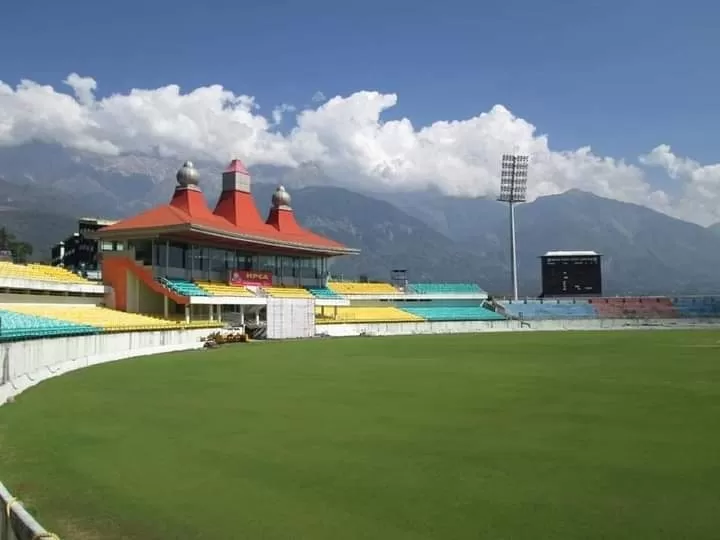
223,289
707,306
444,288
15,326
351,288
105,319
184,287
636,308
367,315
549,309
323,292
39,272
287,292
462,313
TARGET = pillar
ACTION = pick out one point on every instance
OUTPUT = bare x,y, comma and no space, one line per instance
187,313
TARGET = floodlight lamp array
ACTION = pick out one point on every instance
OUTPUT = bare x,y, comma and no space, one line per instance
513,178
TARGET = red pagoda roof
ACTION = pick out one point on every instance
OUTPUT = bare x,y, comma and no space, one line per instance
236,217
237,166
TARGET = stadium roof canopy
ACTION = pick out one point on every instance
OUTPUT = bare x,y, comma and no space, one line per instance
234,220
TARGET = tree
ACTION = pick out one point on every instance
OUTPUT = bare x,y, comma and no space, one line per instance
20,251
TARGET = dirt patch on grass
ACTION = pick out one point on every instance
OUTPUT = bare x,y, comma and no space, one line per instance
76,531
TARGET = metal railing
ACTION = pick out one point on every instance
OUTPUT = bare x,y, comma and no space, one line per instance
16,523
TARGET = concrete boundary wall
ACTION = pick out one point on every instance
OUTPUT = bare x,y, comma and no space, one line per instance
467,327
26,363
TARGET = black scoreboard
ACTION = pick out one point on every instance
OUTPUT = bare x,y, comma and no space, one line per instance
571,274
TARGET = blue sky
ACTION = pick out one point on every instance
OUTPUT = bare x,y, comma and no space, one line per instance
620,76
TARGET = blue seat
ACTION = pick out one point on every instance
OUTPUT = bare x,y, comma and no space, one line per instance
323,292
699,306
16,326
183,287
444,288
461,313
549,309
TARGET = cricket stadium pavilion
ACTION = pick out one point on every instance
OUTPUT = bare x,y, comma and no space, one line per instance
227,264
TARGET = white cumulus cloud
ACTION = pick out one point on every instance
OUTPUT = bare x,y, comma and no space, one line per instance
700,188
345,136
318,97
279,112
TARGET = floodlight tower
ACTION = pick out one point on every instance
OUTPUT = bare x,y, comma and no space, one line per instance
513,188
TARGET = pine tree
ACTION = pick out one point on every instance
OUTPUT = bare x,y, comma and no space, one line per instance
20,251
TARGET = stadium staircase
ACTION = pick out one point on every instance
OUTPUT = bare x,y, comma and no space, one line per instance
115,269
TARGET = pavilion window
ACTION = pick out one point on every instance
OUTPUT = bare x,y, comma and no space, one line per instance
230,258
160,260
200,262
143,251
284,266
177,255
241,262
266,264
308,268
217,260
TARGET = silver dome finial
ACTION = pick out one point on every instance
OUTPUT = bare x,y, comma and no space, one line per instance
281,198
188,175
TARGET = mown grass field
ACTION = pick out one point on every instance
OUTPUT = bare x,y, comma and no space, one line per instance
608,435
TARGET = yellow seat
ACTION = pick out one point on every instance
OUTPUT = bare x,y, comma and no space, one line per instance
222,289
39,272
365,314
350,288
287,292
179,320
100,317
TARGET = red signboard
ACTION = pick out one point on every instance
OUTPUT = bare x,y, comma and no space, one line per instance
250,277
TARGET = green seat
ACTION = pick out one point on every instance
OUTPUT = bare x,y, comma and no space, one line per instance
15,326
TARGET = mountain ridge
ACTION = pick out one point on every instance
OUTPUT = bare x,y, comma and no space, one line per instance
434,237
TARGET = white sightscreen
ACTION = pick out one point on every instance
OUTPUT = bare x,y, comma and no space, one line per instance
290,318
